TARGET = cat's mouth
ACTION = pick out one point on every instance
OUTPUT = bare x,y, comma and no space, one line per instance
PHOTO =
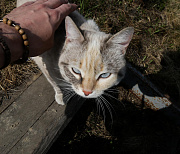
93,95
87,94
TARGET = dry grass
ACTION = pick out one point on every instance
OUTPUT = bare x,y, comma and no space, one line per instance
6,6
14,75
155,42
154,50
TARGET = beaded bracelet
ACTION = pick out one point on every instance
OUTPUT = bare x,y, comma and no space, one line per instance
24,37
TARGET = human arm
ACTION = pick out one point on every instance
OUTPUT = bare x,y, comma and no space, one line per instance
39,20
13,40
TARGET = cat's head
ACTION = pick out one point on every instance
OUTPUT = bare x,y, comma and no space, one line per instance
93,61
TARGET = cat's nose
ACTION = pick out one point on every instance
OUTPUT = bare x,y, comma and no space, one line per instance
86,93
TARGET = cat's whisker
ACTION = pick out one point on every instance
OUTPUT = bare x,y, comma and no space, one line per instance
83,65
67,90
61,79
108,105
105,93
68,96
73,94
65,86
100,102
98,106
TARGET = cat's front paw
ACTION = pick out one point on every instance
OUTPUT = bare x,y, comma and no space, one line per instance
59,98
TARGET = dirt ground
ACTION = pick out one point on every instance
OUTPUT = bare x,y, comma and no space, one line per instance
132,129
154,51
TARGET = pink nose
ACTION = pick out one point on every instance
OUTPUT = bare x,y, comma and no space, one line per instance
86,93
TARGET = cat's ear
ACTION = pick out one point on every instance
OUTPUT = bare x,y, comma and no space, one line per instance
72,31
122,39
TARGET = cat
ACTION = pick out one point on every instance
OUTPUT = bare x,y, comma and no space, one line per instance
84,60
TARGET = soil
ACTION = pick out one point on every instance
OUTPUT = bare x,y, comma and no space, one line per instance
131,130
154,50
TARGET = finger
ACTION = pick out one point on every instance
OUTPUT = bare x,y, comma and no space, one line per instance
55,3
66,9
58,14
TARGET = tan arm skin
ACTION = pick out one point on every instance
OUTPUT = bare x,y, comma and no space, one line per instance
39,19
14,42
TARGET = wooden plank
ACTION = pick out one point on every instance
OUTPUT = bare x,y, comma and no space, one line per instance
34,119
51,123
31,121
144,90
6,99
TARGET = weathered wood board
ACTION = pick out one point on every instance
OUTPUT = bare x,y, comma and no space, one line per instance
32,121
7,98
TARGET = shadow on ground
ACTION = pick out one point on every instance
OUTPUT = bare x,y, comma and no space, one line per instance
132,129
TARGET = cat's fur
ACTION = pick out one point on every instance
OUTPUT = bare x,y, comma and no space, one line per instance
84,59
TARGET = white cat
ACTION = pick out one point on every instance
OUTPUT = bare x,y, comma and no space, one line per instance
84,60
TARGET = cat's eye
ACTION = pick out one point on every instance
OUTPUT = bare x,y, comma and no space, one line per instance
76,71
105,75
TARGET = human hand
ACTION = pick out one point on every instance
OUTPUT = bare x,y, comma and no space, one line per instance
40,19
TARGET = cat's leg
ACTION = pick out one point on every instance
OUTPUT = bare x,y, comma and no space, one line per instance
58,92
59,96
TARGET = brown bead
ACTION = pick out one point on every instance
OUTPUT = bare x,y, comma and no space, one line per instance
9,22
26,43
24,37
5,20
17,27
21,31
